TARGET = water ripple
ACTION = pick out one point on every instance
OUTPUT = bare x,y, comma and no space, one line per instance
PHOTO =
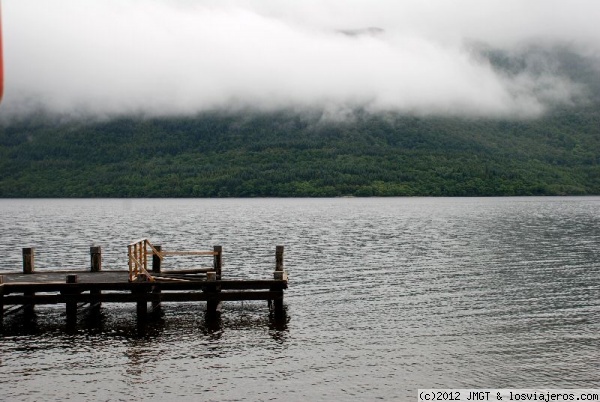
386,296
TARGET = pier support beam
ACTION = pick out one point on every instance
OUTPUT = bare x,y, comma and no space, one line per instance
279,274
142,310
213,307
141,303
95,266
218,261
28,268
156,268
72,305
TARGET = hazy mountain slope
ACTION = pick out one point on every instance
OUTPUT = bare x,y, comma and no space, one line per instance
286,153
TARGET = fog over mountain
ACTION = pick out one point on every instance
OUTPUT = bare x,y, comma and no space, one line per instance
180,57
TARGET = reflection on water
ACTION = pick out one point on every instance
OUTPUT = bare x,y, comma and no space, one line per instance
108,321
386,296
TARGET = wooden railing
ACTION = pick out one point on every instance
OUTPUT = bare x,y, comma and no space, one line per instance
139,251
138,260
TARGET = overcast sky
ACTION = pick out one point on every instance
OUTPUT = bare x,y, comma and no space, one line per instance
111,57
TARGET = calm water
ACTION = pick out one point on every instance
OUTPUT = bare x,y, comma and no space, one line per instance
386,296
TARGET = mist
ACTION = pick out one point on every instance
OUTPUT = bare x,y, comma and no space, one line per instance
109,58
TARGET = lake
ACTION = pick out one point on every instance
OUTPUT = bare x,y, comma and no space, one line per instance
386,295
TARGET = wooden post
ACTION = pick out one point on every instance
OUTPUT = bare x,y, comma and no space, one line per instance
156,267
129,254
95,266
142,310
72,305
213,307
218,261
156,262
28,268
279,258
144,254
96,258
142,304
279,274
28,265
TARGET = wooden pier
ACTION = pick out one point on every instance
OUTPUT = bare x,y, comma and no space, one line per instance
141,284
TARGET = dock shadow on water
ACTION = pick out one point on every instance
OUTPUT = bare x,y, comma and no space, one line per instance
185,318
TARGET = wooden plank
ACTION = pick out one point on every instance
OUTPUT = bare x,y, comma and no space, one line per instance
172,285
166,253
222,296
156,251
137,242
141,297
187,271
61,287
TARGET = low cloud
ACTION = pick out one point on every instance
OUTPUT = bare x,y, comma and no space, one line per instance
181,57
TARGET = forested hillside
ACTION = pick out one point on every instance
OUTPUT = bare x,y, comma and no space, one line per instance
289,154
293,153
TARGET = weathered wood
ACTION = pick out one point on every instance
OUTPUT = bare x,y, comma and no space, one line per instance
228,284
156,268
96,286
277,304
166,253
95,259
95,266
218,260
279,258
71,306
28,269
147,297
28,260
130,262
190,271
279,276
156,260
213,304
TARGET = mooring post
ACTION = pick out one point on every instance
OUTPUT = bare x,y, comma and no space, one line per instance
213,304
218,261
279,258
156,267
96,258
28,265
28,268
279,274
72,305
96,266
156,261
